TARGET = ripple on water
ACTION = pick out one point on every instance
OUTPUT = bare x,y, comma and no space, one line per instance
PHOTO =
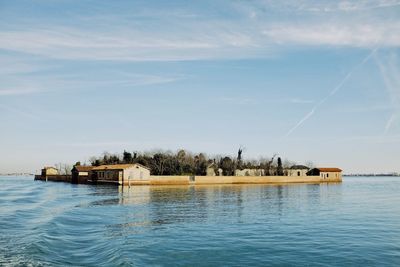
47,224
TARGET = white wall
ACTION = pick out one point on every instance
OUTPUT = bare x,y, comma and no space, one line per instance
137,173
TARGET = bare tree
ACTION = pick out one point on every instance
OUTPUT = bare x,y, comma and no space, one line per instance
268,165
309,164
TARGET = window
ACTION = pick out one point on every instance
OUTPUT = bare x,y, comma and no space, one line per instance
298,173
327,175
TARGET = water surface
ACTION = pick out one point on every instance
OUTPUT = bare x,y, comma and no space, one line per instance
354,223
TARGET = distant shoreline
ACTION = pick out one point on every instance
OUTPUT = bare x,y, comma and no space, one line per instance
17,174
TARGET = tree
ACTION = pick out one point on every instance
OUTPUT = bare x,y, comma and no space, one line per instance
239,158
159,160
227,165
309,164
267,165
200,164
279,170
127,157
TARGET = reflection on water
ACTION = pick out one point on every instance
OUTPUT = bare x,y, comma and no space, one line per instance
350,223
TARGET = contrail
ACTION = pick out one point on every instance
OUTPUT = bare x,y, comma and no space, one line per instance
334,91
389,74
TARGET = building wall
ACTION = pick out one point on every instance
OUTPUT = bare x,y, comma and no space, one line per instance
295,172
171,180
50,171
331,175
199,180
203,180
136,173
210,171
250,172
107,175
54,178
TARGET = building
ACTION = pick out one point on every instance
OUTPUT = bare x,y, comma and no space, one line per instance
249,172
80,174
326,173
49,171
119,173
297,170
210,170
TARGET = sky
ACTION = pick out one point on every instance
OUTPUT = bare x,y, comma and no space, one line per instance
309,80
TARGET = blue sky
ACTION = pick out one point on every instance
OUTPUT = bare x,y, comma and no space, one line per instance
310,80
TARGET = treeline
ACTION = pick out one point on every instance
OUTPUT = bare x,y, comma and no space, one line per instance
186,163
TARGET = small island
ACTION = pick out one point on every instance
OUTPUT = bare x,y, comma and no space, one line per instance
185,168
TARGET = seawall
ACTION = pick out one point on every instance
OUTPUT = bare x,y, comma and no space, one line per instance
208,180
54,178
204,180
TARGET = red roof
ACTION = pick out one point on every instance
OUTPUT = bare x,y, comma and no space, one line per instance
329,169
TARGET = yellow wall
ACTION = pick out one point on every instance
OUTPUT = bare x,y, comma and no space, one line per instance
170,180
203,180
51,171
331,175
166,180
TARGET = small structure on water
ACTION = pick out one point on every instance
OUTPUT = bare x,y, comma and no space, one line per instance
49,171
119,173
80,174
297,170
326,173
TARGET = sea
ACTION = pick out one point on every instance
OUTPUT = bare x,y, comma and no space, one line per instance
353,223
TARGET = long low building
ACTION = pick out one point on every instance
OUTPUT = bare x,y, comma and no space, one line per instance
119,174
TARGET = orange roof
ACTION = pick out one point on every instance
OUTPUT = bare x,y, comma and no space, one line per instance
329,169
117,167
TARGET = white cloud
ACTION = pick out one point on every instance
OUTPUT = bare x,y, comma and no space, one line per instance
253,32
18,82
300,101
335,35
19,90
123,44
328,5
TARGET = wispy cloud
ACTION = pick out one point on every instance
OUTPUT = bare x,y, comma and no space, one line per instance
21,112
330,6
24,84
19,90
125,44
300,101
183,35
335,34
